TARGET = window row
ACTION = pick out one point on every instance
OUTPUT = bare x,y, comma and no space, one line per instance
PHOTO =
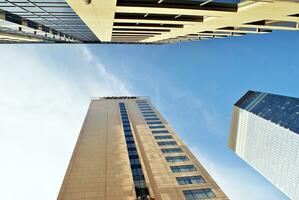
168,143
176,158
141,102
147,112
144,109
151,118
163,137
199,194
149,115
172,150
182,168
157,127
186,180
154,122
159,131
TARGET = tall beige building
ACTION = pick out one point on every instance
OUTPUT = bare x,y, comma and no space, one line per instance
127,151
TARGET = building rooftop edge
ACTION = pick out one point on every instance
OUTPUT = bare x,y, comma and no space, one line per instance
119,97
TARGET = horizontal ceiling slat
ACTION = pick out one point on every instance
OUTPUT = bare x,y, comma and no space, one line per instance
153,21
248,12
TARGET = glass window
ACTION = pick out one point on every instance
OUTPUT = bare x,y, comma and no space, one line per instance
190,180
156,127
140,184
145,109
154,122
124,118
143,106
141,101
137,171
151,118
183,168
136,166
132,152
138,177
126,124
163,137
172,150
133,156
278,109
149,115
148,112
199,194
134,161
176,158
129,138
159,131
131,149
131,144
168,143
127,128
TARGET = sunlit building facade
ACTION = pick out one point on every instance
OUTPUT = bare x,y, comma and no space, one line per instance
141,21
265,133
127,151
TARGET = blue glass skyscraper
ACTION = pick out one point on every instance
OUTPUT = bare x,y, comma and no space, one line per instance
265,133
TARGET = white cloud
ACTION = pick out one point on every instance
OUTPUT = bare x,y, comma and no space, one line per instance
238,183
42,109
115,81
210,116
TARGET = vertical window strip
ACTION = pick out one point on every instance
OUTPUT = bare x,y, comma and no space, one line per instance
138,175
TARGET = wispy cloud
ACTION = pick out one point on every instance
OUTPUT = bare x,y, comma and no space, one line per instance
103,72
210,116
42,107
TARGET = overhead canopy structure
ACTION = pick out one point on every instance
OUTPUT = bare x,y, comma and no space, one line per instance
152,21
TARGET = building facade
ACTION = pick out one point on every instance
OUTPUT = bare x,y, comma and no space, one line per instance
265,133
127,151
141,21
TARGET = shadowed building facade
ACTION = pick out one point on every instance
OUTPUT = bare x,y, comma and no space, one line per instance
141,21
265,133
127,151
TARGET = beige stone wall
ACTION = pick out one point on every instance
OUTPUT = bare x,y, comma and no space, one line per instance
234,129
100,169
161,179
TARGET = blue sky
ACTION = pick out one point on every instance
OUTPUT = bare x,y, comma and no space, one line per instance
46,91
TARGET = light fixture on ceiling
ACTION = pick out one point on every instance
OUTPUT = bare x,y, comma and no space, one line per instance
87,2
